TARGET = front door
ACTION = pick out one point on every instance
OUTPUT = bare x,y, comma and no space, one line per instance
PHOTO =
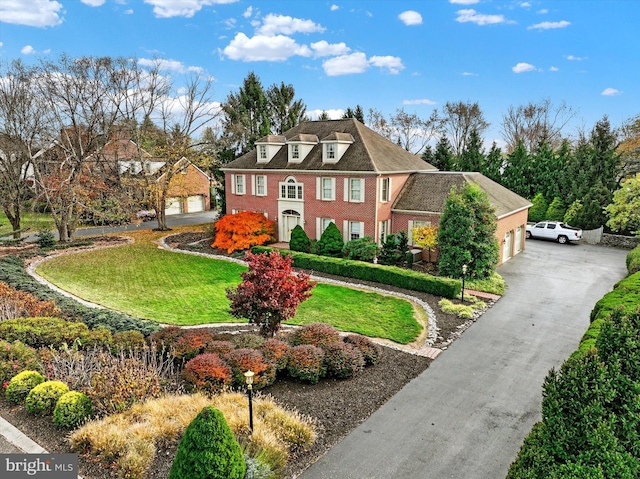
290,219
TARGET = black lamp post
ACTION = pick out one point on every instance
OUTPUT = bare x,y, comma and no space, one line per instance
464,274
248,376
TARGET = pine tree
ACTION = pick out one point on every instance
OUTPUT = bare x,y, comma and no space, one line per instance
539,209
472,157
299,240
443,156
331,242
493,164
556,210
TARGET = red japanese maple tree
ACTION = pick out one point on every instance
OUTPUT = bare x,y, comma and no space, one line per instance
243,230
270,291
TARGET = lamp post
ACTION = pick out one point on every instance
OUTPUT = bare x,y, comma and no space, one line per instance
248,377
464,274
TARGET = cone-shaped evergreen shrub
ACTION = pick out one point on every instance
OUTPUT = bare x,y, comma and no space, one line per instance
331,242
299,240
208,450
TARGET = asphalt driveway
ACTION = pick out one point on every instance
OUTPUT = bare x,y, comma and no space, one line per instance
466,416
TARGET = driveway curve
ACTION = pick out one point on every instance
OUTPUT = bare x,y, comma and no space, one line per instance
467,414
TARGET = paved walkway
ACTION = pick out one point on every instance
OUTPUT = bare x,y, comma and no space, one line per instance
465,417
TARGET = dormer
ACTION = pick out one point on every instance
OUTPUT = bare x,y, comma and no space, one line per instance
334,146
300,146
268,146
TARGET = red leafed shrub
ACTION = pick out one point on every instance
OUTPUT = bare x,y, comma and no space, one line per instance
370,350
342,360
247,340
243,230
306,363
208,372
166,337
316,334
243,360
276,352
221,348
20,304
16,357
270,291
191,343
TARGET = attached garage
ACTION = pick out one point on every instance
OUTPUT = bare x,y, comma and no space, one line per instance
195,204
508,244
519,235
173,206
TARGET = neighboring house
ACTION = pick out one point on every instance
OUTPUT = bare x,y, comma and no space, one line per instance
188,191
343,172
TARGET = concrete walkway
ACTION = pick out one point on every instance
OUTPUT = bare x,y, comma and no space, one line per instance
466,416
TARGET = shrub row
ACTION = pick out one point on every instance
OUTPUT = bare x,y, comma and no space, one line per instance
625,295
633,260
52,332
12,272
391,275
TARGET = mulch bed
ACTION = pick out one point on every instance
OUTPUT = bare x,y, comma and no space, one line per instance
338,406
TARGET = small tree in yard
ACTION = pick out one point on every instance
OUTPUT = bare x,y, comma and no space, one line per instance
426,237
299,240
270,291
624,212
394,249
243,230
467,234
331,242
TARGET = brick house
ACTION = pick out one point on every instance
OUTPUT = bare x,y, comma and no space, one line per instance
343,172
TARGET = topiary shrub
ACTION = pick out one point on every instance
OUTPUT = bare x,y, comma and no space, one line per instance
316,334
72,409
299,240
342,360
21,384
330,242
42,399
276,352
242,360
207,372
361,249
127,341
221,348
370,350
306,363
248,340
208,450
191,343
16,357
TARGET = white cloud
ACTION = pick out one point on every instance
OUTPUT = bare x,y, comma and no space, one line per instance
27,50
469,74
1,44
543,11
36,13
393,64
574,58
264,48
470,15
334,7
523,67
554,69
172,65
274,24
610,92
332,114
464,2
326,49
129,11
422,101
181,8
94,3
346,64
525,5
410,17
248,12
549,25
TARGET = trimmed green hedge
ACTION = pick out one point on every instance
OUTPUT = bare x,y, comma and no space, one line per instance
633,260
12,272
391,275
625,295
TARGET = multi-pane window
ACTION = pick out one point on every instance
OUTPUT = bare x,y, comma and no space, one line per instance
355,189
261,185
295,152
263,152
354,230
331,150
291,190
384,189
239,185
328,185
384,230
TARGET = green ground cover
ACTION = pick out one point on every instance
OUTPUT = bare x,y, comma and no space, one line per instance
150,283
34,221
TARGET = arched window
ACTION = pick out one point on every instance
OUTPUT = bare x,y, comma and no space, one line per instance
290,189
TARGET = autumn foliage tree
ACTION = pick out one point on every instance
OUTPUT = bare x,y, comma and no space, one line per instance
270,291
426,237
243,230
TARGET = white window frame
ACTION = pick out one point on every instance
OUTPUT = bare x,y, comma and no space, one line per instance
331,151
325,188
239,184
416,224
262,151
321,225
384,230
385,190
349,190
286,187
295,152
260,189
348,230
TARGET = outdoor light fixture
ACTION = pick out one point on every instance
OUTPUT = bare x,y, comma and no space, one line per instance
248,377
464,273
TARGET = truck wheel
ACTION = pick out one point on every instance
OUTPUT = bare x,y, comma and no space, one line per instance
562,239
527,234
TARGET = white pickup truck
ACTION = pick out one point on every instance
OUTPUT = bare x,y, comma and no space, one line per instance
554,230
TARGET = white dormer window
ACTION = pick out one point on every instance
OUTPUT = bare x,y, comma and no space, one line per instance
263,152
331,151
335,145
295,152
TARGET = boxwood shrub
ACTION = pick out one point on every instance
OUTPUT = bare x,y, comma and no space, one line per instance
52,332
625,295
633,260
391,275
72,409
21,384
43,398
12,272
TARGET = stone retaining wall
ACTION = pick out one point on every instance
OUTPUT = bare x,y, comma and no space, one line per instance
619,241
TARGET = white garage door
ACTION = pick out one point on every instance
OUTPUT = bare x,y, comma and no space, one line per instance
173,206
195,204
518,245
506,251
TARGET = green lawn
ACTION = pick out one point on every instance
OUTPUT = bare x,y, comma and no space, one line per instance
34,221
174,288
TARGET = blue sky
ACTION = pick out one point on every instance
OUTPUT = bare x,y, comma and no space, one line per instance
381,54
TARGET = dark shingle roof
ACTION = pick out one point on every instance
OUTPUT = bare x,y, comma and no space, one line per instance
370,152
428,192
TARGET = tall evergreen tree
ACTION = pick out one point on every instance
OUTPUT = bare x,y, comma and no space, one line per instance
428,154
356,113
472,157
516,175
443,156
493,164
285,113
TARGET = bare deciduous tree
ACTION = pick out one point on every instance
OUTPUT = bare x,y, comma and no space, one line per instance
458,120
407,130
